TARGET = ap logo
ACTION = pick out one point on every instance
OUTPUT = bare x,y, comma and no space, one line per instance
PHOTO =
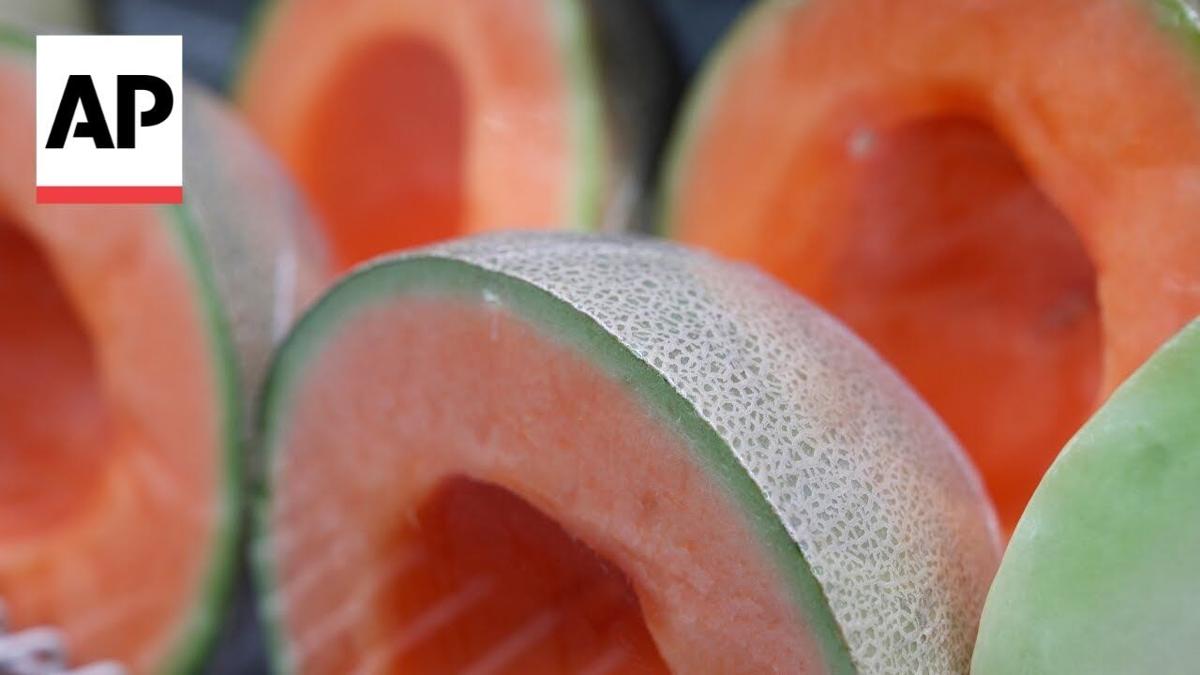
109,119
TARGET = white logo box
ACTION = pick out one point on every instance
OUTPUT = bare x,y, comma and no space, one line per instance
80,172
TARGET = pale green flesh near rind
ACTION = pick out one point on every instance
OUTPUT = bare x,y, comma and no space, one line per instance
391,280
1180,18
1103,571
588,130
199,630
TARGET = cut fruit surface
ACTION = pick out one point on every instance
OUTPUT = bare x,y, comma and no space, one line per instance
1100,575
412,122
991,194
50,395
488,584
127,336
552,453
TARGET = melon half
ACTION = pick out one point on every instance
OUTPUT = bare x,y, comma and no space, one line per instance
410,121
128,336
1002,197
530,452
1101,575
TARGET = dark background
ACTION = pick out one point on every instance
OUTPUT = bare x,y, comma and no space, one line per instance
212,29
213,33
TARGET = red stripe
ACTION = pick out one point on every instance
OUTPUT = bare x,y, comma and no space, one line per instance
109,195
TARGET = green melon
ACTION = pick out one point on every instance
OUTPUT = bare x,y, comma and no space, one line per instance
1103,571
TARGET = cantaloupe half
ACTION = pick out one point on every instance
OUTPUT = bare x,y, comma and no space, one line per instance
128,335
1101,573
541,453
1001,197
411,121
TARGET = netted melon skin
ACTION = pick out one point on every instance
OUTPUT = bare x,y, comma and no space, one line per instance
871,487
255,230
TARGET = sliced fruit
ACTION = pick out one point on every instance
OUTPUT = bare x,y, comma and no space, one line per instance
999,196
128,334
554,453
410,122
1100,575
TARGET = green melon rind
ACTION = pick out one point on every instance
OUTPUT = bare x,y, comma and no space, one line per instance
1103,570
200,628
388,279
203,625
570,23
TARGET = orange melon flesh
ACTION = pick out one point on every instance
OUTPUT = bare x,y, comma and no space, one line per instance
996,196
530,452
80,554
397,117
121,355
51,406
524,593
947,258
420,456
347,151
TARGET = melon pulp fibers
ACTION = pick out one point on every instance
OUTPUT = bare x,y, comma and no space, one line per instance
1100,575
534,450
129,335
999,196
410,122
